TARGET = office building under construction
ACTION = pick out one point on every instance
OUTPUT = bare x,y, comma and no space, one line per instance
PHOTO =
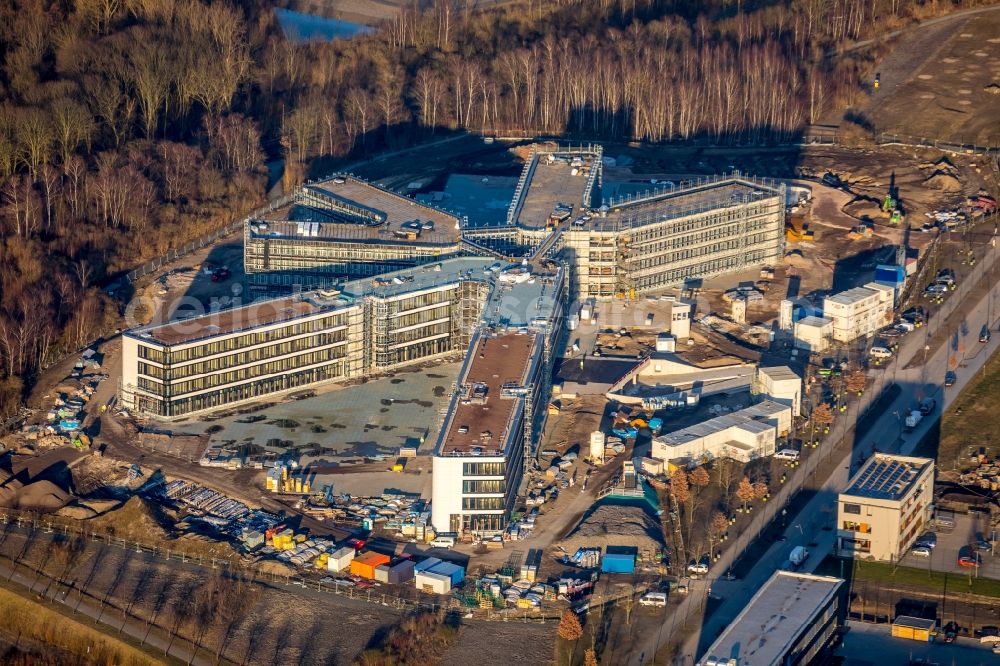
666,237
365,328
343,228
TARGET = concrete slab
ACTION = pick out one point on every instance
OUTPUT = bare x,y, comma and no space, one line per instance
369,419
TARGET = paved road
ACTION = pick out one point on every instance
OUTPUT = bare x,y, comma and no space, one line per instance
43,586
885,435
869,643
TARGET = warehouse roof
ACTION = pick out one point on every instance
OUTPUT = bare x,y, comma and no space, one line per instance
851,296
780,373
886,476
755,419
812,320
777,615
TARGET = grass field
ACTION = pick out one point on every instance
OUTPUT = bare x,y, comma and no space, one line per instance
934,581
33,623
971,420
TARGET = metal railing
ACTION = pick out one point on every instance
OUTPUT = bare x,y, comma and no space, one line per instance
176,253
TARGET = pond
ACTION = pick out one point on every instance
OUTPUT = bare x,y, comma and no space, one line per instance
300,27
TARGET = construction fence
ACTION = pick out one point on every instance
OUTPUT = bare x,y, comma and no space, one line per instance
211,237
32,523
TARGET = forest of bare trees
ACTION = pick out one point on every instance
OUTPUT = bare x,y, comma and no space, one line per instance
128,127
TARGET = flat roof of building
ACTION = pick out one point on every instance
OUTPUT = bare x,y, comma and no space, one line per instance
346,209
851,296
551,181
752,419
480,414
230,321
668,203
287,308
813,320
780,373
776,616
886,476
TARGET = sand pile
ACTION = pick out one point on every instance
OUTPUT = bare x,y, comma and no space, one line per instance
36,496
136,519
944,181
616,525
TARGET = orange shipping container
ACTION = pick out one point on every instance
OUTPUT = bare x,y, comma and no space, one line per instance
364,565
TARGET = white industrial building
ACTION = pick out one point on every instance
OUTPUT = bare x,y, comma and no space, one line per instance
780,384
859,312
491,426
744,435
792,619
885,507
813,334
478,460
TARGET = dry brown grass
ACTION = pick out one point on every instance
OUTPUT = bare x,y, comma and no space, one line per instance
34,622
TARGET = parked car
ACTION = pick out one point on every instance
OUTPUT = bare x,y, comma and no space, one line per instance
927,406
970,561
950,378
698,567
950,632
984,334
928,540
921,551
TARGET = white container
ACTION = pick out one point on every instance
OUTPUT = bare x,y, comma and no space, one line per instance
340,560
432,583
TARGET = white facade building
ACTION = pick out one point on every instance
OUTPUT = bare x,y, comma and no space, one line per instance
859,312
478,460
780,384
813,334
886,506
744,435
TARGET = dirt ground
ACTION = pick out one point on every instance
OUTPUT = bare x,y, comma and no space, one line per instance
952,96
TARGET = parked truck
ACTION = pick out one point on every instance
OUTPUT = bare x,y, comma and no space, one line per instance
798,556
913,419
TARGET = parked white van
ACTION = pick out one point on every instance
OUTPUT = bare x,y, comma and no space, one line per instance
654,599
880,352
787,454
443,542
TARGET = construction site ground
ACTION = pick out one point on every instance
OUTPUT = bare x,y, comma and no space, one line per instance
952,94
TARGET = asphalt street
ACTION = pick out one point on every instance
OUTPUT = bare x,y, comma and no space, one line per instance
917,383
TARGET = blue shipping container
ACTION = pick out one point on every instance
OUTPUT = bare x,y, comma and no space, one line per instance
452,571
889,274
618,563
427,564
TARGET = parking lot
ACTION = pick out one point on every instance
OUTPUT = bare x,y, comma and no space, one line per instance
944,556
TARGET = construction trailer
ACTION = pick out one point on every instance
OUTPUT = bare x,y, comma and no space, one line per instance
914,628
364,565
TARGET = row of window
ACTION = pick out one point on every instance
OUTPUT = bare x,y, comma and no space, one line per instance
726,216
385,358
852,526
482,503
245,357
483,487
260,370
245,340
646,261
483,469
255,389
421,332
440,312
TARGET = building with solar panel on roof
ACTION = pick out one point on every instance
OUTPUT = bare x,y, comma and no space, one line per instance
886,506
